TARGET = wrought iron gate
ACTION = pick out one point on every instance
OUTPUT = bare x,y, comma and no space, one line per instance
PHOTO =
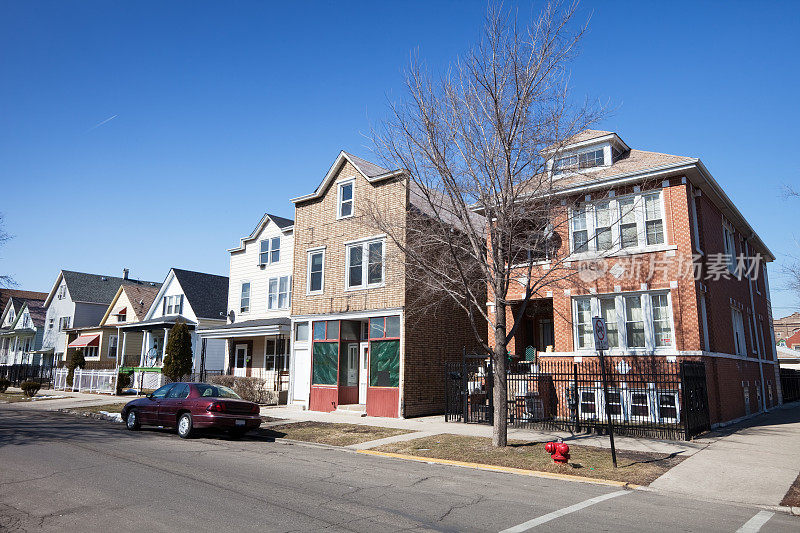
695,398
468,391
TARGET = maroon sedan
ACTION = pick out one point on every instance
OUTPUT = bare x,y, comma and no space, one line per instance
190,406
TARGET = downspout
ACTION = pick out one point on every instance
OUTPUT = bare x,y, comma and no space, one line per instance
753,328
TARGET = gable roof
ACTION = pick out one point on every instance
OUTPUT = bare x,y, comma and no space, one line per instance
284,224
370,171
206,293
6,294
92,288
141,297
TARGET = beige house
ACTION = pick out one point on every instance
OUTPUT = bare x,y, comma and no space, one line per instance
107,345
358,340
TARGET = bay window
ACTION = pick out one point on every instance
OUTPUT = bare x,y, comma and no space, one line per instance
364,264
636,321
617,224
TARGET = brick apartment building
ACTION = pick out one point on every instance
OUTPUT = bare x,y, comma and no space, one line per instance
787,326
639,217
358,341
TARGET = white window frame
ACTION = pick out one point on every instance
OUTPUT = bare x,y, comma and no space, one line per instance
62,291
737,323
273,300
113,341
695,220
364,245
242,297
622,333
339,202
729,244
616,225
576,166
270,251
64,323
173,304
309,254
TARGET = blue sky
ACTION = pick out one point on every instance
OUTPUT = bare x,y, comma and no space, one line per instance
225,110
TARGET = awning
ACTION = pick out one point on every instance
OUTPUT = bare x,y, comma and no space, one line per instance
85,340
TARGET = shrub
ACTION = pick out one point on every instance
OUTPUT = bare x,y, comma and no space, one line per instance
76,360
4,383
178,358
123,381
250,389
30,388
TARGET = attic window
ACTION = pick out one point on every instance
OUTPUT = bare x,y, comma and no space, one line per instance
345,203
591,159
122,314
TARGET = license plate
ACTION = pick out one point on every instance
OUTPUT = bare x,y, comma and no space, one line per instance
240,422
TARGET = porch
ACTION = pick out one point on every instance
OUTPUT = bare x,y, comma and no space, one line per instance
536,332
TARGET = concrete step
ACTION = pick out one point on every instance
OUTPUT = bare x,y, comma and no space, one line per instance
352,409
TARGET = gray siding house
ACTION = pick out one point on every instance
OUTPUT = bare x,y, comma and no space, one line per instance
77,300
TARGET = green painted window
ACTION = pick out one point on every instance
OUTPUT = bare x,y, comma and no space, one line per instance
384,364
325,363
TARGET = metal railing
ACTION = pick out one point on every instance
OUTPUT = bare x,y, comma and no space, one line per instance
19,373
647,396
101,381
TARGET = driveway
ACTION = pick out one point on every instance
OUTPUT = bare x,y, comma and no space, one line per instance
72,473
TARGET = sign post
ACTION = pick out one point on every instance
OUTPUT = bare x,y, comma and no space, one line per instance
601,344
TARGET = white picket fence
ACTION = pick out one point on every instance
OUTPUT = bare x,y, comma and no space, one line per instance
102,381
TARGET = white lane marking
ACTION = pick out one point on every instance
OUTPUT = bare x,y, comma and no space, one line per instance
756,523
530,524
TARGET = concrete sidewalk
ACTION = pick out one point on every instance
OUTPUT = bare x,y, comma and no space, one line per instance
753,462
433,425
65,400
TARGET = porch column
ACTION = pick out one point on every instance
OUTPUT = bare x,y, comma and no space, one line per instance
121,361
164,345
145,335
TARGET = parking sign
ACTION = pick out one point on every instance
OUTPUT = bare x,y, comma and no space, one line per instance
600,336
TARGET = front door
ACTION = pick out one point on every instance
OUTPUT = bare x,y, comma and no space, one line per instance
363,373
240,360
352,365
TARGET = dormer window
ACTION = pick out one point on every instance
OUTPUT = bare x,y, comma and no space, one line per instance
122,314
590,159
345,203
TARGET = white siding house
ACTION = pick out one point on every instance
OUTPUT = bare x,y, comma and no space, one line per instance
256,334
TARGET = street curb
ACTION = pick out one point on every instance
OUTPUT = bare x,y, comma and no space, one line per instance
505,469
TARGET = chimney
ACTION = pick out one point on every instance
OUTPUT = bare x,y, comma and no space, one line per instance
125,273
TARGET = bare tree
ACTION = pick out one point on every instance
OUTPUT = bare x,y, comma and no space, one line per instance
5,279
476,145
792,271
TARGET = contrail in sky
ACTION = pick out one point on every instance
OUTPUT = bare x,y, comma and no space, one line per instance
109,119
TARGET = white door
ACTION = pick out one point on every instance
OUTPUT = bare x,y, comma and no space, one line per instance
240,360
363,373
302,375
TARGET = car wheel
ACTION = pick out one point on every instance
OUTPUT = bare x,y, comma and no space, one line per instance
132,420
185,426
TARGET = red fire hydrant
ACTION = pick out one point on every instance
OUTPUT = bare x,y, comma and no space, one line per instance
558,451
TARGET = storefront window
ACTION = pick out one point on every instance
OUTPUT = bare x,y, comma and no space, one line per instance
384,368
325,363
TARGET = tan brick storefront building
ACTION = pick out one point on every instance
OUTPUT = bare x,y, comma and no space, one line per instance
646,223
357,341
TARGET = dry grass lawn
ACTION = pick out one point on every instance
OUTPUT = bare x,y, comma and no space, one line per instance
633,467
115,407
329,433
14,397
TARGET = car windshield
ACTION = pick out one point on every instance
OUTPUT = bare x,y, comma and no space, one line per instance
215,391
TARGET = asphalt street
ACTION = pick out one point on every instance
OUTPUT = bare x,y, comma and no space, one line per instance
66,473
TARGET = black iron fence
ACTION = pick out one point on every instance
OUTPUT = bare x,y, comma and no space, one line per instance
16,374
790,384
647,396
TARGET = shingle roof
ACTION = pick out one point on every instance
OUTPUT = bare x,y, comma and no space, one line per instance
6,294
96,288
281,222
141,298
37,311
207,293
631,161
369,169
